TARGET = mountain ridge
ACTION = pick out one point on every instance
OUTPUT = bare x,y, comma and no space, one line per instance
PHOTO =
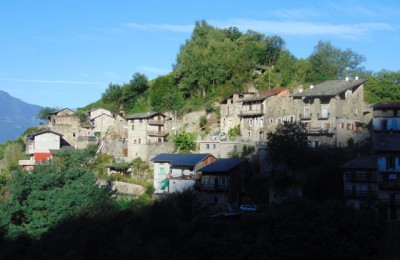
16,116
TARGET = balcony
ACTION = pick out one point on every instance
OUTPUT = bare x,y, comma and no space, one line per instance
360,194
156,121
205,187
249,113
87,138
360,177
157,133
389,185
305,116
323,116
321,131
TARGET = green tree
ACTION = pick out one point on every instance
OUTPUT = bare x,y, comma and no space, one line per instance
131,91
329,62
184,141
383,85
50,194
44,112
164,94
288,143
112,97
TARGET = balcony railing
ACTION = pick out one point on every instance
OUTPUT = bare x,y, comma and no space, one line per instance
254,112
319,130
156,121
210,187
360,177
305,116
361,194
157,133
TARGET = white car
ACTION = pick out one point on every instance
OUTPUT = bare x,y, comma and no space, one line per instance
248,208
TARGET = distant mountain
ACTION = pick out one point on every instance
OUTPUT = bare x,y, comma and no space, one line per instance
16,116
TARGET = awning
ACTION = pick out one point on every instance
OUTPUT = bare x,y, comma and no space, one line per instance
164,184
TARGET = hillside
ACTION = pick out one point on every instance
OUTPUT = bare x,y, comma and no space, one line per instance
16,116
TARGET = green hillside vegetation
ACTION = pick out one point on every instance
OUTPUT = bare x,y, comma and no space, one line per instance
214,63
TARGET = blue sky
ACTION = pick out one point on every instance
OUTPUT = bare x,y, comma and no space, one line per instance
65,53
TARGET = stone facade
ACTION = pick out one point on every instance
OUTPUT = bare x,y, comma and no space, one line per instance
145,129
334,112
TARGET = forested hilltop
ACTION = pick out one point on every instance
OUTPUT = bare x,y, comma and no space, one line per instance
215,63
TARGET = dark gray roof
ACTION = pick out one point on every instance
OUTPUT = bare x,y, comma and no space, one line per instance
143,115
367,162
58,111
330,88
45,132
386,105
181,159
222,165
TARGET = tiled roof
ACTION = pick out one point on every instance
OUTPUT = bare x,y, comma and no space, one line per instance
222,165
367,162
143,115
181,159
330,88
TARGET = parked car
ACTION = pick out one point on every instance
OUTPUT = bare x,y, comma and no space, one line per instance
248,208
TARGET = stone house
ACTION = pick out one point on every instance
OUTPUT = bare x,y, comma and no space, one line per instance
360,178
38,147
76,133
230,109
221,181
334,112
145,129
260,114
375,181
102,123
176,172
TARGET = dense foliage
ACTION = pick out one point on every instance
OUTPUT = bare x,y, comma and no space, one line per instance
215,62
184,141
50,193
294,230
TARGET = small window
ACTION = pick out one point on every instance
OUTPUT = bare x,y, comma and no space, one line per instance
73,134
214,146
250,121
255,121
249,134
135,141
139,141
261,122
271,120
208,146
133,127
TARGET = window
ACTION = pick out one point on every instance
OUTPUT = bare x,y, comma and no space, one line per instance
307,113
355,111
390,162
133,127
208,146
255,121
135,141
139,141
278,121
73,134
261,122
249,134
140,120
324,111
214,146
250,121
271,120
